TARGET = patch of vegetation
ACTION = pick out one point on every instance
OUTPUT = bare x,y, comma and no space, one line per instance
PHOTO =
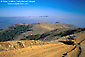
2,49
63,36
56,39
14,31
47,38
56,25
1,29
39,23
22,39
62,33
45,34
33,37
75,32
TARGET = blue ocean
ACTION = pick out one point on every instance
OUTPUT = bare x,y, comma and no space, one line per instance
7,21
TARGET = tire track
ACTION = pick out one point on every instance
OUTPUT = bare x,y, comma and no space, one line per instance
80,51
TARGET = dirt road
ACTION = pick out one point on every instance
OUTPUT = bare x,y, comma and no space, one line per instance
48,50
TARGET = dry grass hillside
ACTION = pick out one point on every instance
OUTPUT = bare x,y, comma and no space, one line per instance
40,28
20,31
38,48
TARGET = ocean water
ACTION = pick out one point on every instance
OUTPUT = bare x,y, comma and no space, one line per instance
7,21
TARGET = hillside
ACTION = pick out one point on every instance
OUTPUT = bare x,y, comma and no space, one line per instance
40,28
13,31
61,33
20,31
44,49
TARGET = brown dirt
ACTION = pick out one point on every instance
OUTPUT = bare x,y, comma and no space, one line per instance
82,45
46,50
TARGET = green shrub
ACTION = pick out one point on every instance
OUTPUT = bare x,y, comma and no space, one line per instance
56,25
54,39
75,32
63,36
57,38
1,29
62,33
39,23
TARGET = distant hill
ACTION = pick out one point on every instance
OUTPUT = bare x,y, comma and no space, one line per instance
68,25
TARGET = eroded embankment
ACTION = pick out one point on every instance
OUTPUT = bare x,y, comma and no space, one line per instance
11,45
77,50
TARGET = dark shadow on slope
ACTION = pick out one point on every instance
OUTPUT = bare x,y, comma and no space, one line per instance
79,51
67,42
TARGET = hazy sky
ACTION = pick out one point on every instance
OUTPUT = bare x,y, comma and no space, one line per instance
59,8
66,11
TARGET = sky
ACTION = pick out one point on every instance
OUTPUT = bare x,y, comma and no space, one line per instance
66,11
59,8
